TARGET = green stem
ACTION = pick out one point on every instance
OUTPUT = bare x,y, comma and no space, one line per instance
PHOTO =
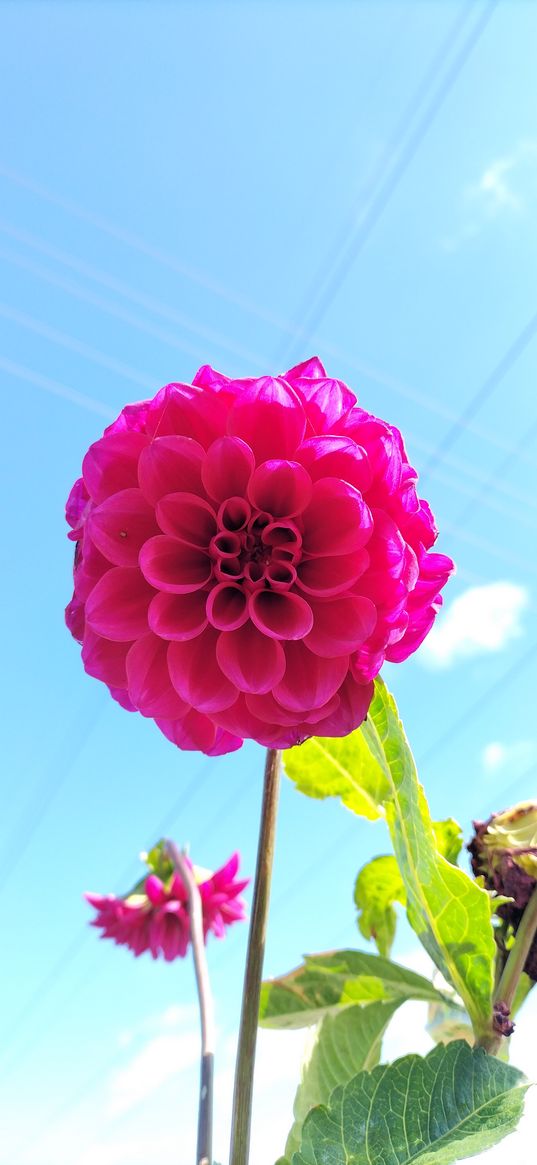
244,1070
206,1006
510,977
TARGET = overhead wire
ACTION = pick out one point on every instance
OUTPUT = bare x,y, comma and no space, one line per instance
355,241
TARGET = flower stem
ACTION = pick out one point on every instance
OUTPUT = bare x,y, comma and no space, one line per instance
244,1071
205,1110
505,991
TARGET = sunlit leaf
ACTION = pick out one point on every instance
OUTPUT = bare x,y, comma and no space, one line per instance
345,767
448,838
435,1110
345,1043
328,982
378,885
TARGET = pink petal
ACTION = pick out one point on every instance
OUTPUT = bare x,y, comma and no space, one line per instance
170,464
172,566
196,675
340,625
227,468
269,417
280,488
104,659
227,607
240,720
280,614
187,517
336,457
154,890
337,521
195,731
325,401
117,605
309,682
178,616
354,701
150,686
250,660
111,464
312,368
234,514
121,524
331,576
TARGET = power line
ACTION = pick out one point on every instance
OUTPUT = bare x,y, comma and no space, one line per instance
499,684
498,474
119,287
353,246
54,388
482,394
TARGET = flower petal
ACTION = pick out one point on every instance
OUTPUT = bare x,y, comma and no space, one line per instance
195,731
150,686
111,464
309,682
187,517
170,565
168,465
340,625
269,416
196,674
105,660
280,488
227,607
227,468
117,606
337,520
280,614
331,576
354,700
180,616
341,457
121,524
250,660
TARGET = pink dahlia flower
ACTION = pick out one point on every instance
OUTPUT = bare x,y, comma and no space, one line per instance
154,916
248,553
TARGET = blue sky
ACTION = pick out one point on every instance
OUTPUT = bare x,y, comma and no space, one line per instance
246,184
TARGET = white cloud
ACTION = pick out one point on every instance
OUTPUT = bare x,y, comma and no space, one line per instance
482,620
507,186
159,1060
498,757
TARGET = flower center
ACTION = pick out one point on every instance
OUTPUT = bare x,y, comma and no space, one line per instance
253,548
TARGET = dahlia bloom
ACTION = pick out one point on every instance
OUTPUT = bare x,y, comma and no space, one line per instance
154,916
248,553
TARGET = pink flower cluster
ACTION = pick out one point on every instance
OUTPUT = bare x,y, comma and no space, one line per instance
156,918
249,552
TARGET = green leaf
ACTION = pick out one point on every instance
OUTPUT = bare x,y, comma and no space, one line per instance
328,982
449,912
345,768
451,1104
448,838
378,885
346,1042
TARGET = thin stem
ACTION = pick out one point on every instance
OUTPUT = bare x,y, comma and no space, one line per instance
244,1071
505,991
504,994
205,1111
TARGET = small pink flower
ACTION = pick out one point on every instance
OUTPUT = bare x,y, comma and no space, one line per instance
248,553
154,917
